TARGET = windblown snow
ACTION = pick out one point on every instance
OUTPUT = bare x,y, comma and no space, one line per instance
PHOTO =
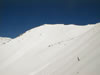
53,50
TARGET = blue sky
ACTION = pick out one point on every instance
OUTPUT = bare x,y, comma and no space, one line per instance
17,16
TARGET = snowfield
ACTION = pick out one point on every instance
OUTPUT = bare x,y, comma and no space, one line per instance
53,50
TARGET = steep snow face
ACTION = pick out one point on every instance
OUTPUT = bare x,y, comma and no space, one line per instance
4,40
53,50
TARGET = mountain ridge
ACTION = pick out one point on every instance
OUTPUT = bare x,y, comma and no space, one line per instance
53,50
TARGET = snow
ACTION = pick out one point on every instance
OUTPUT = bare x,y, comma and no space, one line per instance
53,50
4,40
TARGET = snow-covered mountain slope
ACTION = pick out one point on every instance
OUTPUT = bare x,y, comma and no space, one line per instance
4,40
53,50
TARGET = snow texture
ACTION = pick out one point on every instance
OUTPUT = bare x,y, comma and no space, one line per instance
53,50
4,40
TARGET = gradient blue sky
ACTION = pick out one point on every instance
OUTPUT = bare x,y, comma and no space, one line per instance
17,16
